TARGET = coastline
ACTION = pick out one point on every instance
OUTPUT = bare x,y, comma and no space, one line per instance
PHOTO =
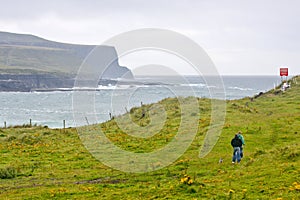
49,107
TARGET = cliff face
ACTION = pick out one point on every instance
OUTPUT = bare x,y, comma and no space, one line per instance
28,62
29,82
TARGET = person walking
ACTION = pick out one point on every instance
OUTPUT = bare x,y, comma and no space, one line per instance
236,143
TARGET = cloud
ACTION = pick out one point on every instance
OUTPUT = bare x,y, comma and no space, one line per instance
253,34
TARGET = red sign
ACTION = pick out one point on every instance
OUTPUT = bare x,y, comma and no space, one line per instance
284,71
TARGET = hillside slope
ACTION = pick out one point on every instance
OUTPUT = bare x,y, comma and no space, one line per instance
22,54
41,163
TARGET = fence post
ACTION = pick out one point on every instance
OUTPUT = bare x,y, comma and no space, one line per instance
30,124
64,123
87,121
4,124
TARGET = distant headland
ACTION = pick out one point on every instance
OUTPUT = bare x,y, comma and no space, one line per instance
29,63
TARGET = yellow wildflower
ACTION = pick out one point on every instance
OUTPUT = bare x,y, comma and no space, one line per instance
62,190
231,191
295,183
186,180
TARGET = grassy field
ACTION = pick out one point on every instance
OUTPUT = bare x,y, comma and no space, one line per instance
41,163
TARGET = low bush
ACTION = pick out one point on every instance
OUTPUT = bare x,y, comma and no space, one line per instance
8,173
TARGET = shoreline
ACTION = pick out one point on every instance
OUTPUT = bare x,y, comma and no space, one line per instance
59,124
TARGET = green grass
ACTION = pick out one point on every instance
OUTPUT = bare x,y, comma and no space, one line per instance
18,59
42,163
21,53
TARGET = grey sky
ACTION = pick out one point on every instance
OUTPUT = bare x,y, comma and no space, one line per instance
241,37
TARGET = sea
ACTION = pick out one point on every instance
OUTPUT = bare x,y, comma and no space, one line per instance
53,108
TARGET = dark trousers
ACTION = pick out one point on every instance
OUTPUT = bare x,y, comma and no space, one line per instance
241,151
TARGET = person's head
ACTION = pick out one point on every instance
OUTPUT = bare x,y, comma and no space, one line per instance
240,132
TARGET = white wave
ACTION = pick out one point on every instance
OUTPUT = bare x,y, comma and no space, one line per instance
115,87
193,84
212,86
242,89
106,87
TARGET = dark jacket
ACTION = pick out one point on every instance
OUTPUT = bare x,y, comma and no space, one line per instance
236,142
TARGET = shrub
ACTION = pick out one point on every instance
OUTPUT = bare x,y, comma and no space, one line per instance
8,173
11,138
30,140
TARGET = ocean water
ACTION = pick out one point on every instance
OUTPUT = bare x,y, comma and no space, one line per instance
51,108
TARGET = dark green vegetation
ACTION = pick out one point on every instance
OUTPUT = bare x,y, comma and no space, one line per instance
29,62
41,163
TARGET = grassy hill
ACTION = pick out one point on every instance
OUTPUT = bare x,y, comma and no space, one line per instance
19,52
26,60
41,163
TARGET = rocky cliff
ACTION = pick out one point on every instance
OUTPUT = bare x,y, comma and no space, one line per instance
29,82
29,62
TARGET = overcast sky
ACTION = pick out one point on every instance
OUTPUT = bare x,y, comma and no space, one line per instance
241,37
